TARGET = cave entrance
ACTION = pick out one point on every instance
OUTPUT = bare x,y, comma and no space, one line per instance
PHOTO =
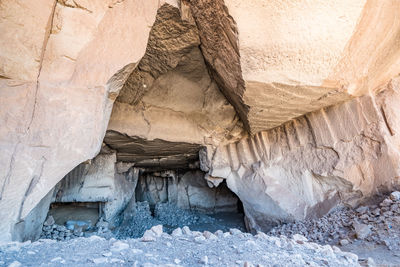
110,197
177,198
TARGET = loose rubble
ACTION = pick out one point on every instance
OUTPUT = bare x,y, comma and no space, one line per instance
374,225
233,248
51,230
345,227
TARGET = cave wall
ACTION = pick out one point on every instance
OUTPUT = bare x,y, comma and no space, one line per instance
181,75
305,167
98,181
188,191
61,67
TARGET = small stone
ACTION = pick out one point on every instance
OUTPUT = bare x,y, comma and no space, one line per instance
30,252
376,211
344,242
199,239
299,238
157,230
248,264
107,254
362,209
250,244
137,251
148,236
114,260
177,232
186,230
362,230
49,221
235,231
204,260
395,196
219,233
196,233
56,259
226,234
169,244
177,261
371,262
99,260
386,202
209,235
119,246
15,264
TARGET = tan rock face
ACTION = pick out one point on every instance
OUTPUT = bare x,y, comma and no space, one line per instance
306,166
65,63
169,106
278,60
185,81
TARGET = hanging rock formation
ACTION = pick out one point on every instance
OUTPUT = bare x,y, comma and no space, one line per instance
278,60
294,103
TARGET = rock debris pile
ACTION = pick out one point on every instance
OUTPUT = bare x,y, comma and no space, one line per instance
379,224
183,247
164,213
73,229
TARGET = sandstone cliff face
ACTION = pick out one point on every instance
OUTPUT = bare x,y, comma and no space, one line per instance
186,77
306,166
61,66
170,107
274,64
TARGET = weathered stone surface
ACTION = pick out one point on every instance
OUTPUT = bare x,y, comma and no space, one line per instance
279,60
188,191
341,153
63,63
98,181
170,106
66,64
24,27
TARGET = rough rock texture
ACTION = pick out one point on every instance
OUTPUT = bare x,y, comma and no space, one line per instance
61,66
188,191
194,250
98,181
64,63
274,62
169,106
305,167
366,230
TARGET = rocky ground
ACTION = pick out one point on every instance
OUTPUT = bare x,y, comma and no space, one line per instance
165,214
182,248
372,231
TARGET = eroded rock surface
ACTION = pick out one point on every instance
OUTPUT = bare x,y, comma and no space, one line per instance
186,77
170,107
60,70
274,62
341,153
